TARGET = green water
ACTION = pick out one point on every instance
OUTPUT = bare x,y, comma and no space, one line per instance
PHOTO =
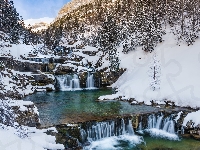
163,144
78,106
151,143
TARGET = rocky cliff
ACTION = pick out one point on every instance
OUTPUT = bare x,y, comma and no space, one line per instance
72,5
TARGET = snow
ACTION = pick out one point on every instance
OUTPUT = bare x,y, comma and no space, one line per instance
194,117
162,134
36,139
18,137
179,74
178,116
34,21
16,51
113,141
23,90
20,103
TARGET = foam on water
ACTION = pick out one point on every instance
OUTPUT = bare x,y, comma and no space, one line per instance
91,88
113,143
110,135
160,127
162,134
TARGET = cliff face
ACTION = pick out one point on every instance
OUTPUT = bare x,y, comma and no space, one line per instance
72,5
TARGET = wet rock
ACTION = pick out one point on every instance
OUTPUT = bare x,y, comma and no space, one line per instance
196,136
51,66
69,136
49,89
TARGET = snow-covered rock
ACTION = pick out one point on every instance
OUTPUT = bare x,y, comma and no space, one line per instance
194,117
34,139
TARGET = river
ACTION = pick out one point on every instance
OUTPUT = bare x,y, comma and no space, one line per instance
67,107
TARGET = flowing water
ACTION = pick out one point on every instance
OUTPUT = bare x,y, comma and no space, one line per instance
159,126
80,106
90,81
119,135
68,82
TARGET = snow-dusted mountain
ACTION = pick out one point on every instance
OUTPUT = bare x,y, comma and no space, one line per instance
38,24
72,5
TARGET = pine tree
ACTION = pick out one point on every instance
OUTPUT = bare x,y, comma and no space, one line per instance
109,36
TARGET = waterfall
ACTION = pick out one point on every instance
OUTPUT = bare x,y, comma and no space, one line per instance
162,127
74,82
68,82
158,123
106,129
140,128
111,134
0,78
90,81
182,130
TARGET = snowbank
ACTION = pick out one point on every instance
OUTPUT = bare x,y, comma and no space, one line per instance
18,137
36,139
194,117
171,72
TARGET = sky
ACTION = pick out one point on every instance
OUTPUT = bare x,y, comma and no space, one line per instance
35,9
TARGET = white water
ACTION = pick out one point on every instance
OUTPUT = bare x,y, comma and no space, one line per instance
68,82
159,127
109,135
140,129
90,82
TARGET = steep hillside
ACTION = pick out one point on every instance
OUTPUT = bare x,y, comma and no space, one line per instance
17,45
169,74
118,31
72,6
132,23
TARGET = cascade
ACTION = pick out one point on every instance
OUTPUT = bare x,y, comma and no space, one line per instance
0,78
158,123
106,129
68,82
182,130
90,81
140,128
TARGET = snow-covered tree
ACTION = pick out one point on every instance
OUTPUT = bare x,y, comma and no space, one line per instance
155,73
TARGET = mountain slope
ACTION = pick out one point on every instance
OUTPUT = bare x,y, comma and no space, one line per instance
72,6
38,24
176,74
141,36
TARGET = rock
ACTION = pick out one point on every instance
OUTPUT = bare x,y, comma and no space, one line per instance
27,117
51,66
62,70
48,89
196,136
